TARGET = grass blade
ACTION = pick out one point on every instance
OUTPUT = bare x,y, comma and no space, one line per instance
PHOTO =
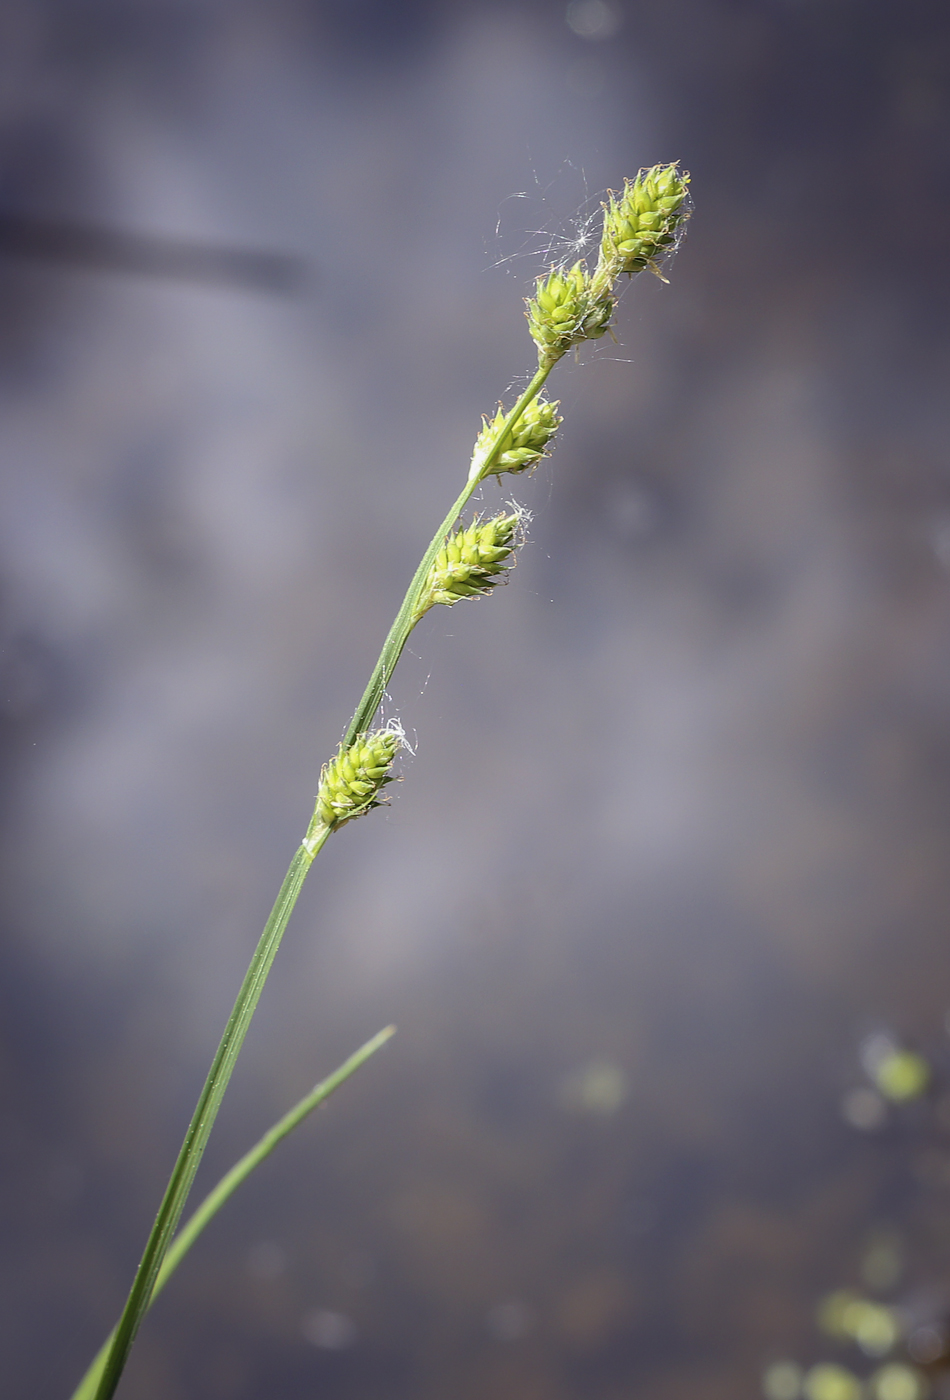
229,1183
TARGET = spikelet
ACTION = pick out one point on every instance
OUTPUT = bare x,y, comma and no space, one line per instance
351,782
565,310
516,449
641,225
471,561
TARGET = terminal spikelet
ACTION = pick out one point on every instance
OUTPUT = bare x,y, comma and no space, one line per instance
565,310
351,782
641,225
516,449
471,561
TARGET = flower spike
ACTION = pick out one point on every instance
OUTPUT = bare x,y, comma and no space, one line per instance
643,224
351,782
565,310
472,561
517,449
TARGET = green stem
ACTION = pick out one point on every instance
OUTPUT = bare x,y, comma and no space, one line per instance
192,1148
229,1183
205,1113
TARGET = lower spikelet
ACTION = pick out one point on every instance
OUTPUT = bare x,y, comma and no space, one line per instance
351,782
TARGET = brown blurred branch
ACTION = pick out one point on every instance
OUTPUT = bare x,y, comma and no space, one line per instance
147,255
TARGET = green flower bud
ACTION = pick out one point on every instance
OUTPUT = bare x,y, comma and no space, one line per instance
641,226
351,782
521,447
565,310
471,561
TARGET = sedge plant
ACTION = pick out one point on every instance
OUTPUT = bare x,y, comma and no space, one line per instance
570,305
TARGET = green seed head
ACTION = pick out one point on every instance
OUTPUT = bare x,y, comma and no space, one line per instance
565,310
516,449
472,560
641,226
351,782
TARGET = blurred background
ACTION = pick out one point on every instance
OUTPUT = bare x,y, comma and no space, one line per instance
672,851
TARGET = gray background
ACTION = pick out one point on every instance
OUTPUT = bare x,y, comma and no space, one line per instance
678,817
